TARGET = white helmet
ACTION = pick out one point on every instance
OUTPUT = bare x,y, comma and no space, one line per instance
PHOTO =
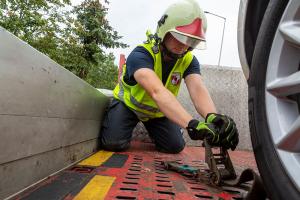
186,21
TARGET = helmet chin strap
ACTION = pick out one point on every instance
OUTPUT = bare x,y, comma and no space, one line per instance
167,52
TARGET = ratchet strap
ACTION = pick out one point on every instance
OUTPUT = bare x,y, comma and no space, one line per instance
256,191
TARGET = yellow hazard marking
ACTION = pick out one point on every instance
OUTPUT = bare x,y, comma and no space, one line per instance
97,159
96,189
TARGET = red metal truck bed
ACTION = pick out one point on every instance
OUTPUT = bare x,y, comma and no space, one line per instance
135,174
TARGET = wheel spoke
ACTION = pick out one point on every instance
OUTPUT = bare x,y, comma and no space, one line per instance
287,86
290,31
282,91
291,141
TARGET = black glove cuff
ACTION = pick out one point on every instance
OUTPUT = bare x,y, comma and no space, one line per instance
193,124
192,131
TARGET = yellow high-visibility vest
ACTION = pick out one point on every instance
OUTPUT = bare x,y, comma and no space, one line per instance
137,99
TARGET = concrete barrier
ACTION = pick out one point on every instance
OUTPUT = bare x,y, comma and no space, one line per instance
49,118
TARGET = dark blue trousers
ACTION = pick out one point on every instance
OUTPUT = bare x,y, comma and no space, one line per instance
119,122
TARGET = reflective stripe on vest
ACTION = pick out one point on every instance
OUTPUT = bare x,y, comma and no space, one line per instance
137,99
135,102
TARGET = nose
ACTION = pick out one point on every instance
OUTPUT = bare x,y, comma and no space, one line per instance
181,47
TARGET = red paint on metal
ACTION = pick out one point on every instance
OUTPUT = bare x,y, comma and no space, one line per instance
143,176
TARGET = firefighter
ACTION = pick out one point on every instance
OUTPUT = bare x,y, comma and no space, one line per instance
150,83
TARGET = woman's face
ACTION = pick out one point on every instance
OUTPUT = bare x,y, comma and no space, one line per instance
174,45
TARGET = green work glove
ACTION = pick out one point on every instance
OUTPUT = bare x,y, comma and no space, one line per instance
229,135
199,130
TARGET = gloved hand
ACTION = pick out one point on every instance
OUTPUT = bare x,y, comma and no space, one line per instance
227,128
199,130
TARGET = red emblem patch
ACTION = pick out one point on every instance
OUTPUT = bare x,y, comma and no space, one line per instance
175,78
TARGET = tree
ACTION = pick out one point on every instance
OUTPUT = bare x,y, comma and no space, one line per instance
105,75
33,20
95,35
75,39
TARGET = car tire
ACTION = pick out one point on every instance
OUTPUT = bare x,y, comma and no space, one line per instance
276,180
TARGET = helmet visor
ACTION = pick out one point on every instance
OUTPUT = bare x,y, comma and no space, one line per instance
192,42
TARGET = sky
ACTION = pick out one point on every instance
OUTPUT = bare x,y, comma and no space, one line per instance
132,18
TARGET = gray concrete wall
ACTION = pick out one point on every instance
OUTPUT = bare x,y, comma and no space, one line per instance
228,89
49,118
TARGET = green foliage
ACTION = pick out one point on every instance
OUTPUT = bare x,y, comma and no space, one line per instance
76,39
105,74
31,20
